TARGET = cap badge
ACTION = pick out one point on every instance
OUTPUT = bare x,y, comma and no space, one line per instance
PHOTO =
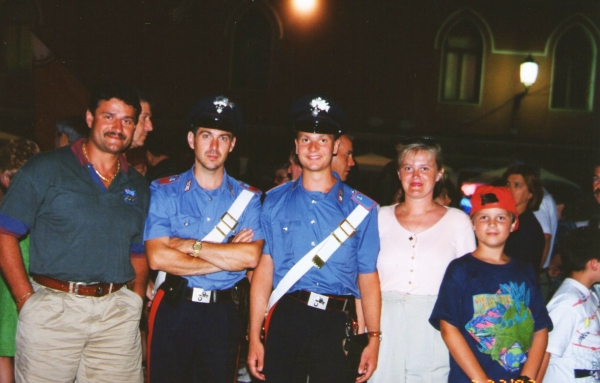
318,105
221,103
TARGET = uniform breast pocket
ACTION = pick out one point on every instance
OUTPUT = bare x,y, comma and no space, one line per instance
185,227
344,258
286,236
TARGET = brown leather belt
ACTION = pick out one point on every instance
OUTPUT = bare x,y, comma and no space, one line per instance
78,288
334,303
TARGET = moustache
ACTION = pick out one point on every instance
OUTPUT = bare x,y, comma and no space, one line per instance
115,134
597,191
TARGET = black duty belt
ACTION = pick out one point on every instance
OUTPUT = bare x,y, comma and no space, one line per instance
198,295
334,303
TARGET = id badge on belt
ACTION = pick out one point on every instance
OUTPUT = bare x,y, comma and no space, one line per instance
201,295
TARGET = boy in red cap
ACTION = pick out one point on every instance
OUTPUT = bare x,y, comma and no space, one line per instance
490,309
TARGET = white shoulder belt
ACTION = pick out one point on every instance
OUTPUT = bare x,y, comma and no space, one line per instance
320,253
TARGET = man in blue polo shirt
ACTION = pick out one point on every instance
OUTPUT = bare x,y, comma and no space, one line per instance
85,212
305,329
193,231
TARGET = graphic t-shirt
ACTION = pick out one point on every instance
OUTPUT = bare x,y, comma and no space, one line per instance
497,309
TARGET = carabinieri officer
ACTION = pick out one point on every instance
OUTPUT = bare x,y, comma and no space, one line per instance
195,230
305,329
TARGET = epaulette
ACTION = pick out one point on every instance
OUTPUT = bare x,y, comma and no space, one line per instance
363,200
277,187
245,186
166,180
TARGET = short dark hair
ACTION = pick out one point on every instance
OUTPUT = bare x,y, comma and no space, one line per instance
579,247
143,96
532,180
116,90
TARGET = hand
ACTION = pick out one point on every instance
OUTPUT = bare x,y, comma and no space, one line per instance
150,289
183,245
368,360
244,236
22,302
256,359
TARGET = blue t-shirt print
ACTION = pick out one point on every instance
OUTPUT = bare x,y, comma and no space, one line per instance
503,326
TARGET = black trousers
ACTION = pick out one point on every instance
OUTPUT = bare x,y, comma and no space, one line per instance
193,342
304,341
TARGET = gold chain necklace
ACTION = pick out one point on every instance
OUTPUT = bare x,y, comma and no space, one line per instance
97,172
414,235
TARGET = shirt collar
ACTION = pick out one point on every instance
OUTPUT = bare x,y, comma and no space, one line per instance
191,183
578,285
336,191
77,149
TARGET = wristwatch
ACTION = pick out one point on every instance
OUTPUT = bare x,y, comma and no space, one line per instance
197,246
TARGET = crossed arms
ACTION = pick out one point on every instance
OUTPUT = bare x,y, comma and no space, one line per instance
173,255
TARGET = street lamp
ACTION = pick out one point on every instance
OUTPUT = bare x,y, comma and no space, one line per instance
305,6
529,72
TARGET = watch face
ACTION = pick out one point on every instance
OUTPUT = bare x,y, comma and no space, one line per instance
197,246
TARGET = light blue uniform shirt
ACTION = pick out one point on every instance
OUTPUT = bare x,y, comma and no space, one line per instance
295,220
179,207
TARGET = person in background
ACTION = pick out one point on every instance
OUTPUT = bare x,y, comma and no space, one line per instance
573,353
281,174
294,168
446,193
419,238
595,210
159,154
566,208
144,123
69,130
343,160
136,158
547,216
13,155
527,243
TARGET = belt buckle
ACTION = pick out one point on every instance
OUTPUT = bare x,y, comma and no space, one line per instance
200,295
346,228
228,221
318,301
76,289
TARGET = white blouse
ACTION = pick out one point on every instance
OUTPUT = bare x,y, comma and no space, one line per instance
417,266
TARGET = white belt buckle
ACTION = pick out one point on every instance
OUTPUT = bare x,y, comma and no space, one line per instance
318,301
200,295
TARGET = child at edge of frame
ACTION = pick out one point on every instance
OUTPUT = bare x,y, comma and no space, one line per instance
573,348
490,309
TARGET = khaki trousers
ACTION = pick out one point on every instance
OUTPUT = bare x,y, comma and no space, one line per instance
62,337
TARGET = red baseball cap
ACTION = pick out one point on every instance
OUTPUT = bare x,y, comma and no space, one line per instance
486,197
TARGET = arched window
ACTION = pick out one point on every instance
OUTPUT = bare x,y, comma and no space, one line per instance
572,71
251,51
462,60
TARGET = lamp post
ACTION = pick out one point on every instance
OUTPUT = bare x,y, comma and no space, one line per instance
528,72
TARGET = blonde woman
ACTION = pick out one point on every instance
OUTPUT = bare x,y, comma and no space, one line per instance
419,238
